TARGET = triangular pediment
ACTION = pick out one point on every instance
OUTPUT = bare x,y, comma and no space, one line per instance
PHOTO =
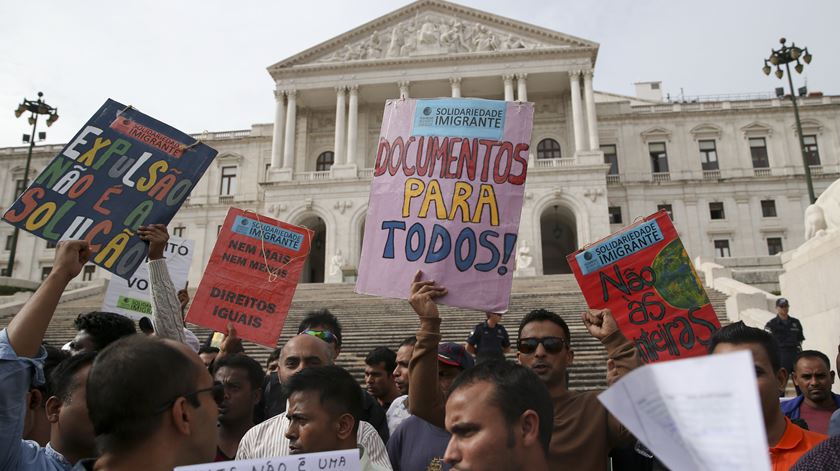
430,28
656,133
757,129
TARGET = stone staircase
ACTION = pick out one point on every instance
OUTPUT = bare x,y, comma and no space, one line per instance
369,322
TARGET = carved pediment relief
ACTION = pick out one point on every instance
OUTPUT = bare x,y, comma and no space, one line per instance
706,131
656,133
757,129
809,126
432,28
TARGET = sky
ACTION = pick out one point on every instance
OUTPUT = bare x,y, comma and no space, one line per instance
201,64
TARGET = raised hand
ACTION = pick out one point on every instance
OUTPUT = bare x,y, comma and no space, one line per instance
70,257
423,294
157,237
599,322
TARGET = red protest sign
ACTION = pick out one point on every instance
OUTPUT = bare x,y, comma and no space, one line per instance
251,276
644,276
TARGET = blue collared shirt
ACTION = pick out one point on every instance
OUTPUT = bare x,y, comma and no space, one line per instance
17,376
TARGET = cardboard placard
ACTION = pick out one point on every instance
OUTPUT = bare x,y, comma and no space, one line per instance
251,276
446,198
643,274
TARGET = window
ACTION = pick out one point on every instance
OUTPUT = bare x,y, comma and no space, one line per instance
811,150
548,149
228,183
4,272
615,214
325,161
51,244
708,155
179,231
667,208
768,208
758,150
10,240
722,248
87,273
774,245
716,211
19,187
611,157
658,157
45,272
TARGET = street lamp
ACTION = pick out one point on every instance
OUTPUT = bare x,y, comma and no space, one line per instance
785,55
36,108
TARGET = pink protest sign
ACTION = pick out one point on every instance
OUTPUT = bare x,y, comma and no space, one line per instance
446,199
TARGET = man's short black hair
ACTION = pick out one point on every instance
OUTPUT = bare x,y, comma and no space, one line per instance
739,333
54,358
62,380
207,349
538,315
516,390
324,318
813,354
409,341
129,384
337,390
104,327
145,325
382,355
243,362
274,355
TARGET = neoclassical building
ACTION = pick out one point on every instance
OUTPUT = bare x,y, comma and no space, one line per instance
728,169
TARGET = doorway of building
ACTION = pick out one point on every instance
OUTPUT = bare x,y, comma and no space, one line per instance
314,268
558,232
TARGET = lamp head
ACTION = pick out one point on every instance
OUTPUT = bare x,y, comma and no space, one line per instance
766,69
779,73
798,68
807,57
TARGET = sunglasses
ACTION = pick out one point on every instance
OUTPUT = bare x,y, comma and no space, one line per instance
324,335
217,390
529,345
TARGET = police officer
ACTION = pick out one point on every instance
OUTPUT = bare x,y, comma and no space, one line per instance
489,340
788,333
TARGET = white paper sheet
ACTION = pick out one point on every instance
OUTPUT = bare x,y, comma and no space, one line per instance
342,460
701,413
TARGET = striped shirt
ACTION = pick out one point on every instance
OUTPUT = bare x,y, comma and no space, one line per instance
268,440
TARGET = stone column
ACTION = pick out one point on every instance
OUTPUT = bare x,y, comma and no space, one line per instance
591,118
456,86
404,85
577,118
521,87
340,126
279,128
352,124
508,79
289,140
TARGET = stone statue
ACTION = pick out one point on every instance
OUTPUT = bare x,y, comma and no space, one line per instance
523,257
336,262
396,42
824,215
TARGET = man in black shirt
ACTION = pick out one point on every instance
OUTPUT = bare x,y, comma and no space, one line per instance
489,340
788,333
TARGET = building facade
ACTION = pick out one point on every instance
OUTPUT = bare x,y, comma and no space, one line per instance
728,170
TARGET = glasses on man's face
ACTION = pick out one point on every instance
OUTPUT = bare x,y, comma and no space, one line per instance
529,345
324,335
217,390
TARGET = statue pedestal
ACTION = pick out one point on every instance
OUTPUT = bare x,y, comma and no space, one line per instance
810,282
522,272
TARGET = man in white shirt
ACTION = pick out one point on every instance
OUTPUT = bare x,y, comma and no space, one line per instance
268,439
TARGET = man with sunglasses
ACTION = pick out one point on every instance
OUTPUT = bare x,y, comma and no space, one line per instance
22,365
324,325
153,405
584,432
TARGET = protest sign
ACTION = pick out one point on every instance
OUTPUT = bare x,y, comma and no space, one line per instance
446,198
133,298
644,276
251,276
122,170
342,460
695,414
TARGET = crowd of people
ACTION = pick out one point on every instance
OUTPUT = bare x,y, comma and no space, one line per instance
153,398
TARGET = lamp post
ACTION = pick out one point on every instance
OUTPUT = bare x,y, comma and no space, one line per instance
785,55
36,108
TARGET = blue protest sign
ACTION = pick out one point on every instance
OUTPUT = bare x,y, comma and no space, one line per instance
123,169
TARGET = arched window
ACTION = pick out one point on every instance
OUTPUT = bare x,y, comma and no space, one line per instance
325,161
548,149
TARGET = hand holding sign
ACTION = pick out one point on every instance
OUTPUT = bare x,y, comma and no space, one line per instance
70,257
157,236
599,322
423,294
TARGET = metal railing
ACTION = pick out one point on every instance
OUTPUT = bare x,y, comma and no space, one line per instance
222,134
